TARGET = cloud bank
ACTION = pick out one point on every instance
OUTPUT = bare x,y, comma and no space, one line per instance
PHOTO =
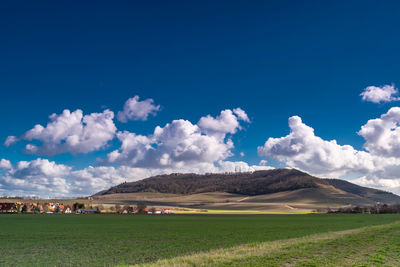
184,146
178,146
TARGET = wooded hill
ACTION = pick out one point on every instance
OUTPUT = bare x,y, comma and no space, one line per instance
294,183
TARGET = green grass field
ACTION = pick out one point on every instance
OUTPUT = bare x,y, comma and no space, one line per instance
365,246
108,240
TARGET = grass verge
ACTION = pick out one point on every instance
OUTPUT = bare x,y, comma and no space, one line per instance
367,246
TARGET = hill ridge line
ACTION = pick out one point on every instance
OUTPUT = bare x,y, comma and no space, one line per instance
297,184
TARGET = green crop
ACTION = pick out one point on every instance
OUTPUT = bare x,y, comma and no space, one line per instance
108,240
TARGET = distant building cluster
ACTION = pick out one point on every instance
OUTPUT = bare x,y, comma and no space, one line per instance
378,208
25,207
78,208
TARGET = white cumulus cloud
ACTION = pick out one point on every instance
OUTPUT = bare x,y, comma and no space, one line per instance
241,114
378,166
226,123
382,135
304,150
71,132
379,94
5,164
179,143
137,110
176,144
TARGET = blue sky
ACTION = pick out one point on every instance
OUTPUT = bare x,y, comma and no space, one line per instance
273,59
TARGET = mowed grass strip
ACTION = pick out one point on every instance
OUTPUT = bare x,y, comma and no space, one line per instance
366,246
109,240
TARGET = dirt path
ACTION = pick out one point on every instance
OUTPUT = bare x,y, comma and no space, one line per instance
243,199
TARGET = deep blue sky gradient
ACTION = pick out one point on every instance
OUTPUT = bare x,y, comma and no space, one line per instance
274,59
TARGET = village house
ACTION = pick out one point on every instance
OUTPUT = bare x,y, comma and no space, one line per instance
67,210
167,211
87,211
8,208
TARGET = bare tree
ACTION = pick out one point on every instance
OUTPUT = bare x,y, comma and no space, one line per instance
140,208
